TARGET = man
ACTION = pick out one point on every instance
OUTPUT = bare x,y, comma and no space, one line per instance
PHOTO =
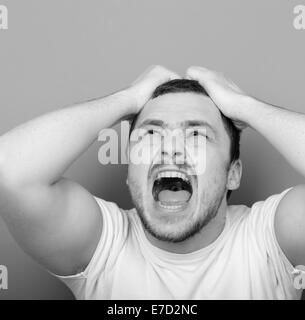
183,241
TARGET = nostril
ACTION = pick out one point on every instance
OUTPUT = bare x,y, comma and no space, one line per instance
177,153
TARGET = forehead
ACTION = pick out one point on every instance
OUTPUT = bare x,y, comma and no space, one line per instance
173,108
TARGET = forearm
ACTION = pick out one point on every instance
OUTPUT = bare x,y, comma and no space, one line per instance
40,150
284,129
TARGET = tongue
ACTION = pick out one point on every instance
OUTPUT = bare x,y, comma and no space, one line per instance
173,197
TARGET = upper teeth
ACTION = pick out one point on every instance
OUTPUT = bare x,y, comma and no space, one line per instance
172,174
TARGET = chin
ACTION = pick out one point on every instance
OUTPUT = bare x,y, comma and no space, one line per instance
179,225
172,229
171,208
174,224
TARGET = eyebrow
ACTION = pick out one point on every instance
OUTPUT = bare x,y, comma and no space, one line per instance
184,124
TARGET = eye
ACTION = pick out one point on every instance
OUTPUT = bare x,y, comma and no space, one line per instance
151,131
197,133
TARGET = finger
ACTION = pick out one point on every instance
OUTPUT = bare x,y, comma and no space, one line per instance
198,73
167,74
203,75
174,75
161,72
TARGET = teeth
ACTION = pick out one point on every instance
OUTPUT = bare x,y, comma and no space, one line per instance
169,207
172,174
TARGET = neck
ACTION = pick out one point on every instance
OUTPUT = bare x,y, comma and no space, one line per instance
206,236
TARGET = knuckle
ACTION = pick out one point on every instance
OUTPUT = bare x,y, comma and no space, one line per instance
152,68
194,71
191,69
159,68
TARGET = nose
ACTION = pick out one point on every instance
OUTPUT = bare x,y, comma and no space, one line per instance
172,154
172,148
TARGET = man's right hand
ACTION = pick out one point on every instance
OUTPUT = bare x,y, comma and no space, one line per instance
54,219
143,87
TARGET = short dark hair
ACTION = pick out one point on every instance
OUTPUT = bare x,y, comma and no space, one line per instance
186,85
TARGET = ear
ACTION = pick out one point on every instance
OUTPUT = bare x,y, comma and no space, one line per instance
234,175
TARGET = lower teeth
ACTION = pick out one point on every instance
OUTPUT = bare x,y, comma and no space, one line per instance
169,207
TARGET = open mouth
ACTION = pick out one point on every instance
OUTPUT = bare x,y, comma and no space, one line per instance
172,189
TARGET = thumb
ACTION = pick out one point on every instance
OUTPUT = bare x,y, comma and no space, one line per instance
174,75
200,74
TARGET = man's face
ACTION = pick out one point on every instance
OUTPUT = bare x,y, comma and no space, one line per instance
180,185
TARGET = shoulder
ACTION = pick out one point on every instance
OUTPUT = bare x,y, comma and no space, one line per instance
259,217
115,219
293,202
109,208
264,211
290,224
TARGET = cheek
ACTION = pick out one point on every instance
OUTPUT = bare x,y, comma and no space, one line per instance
215,173
137,177
143,152
210,186
207,160
137,171
197,155
216,159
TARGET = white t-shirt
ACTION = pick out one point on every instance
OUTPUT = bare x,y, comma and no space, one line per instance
244,262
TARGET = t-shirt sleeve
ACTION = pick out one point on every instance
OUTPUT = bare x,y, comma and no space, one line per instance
113,236
261,219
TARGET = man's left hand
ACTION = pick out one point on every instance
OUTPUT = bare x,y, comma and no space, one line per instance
227,96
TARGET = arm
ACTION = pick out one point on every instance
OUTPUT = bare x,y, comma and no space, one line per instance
53,219
285,130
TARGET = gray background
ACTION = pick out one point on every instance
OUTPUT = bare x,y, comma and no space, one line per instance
56,53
